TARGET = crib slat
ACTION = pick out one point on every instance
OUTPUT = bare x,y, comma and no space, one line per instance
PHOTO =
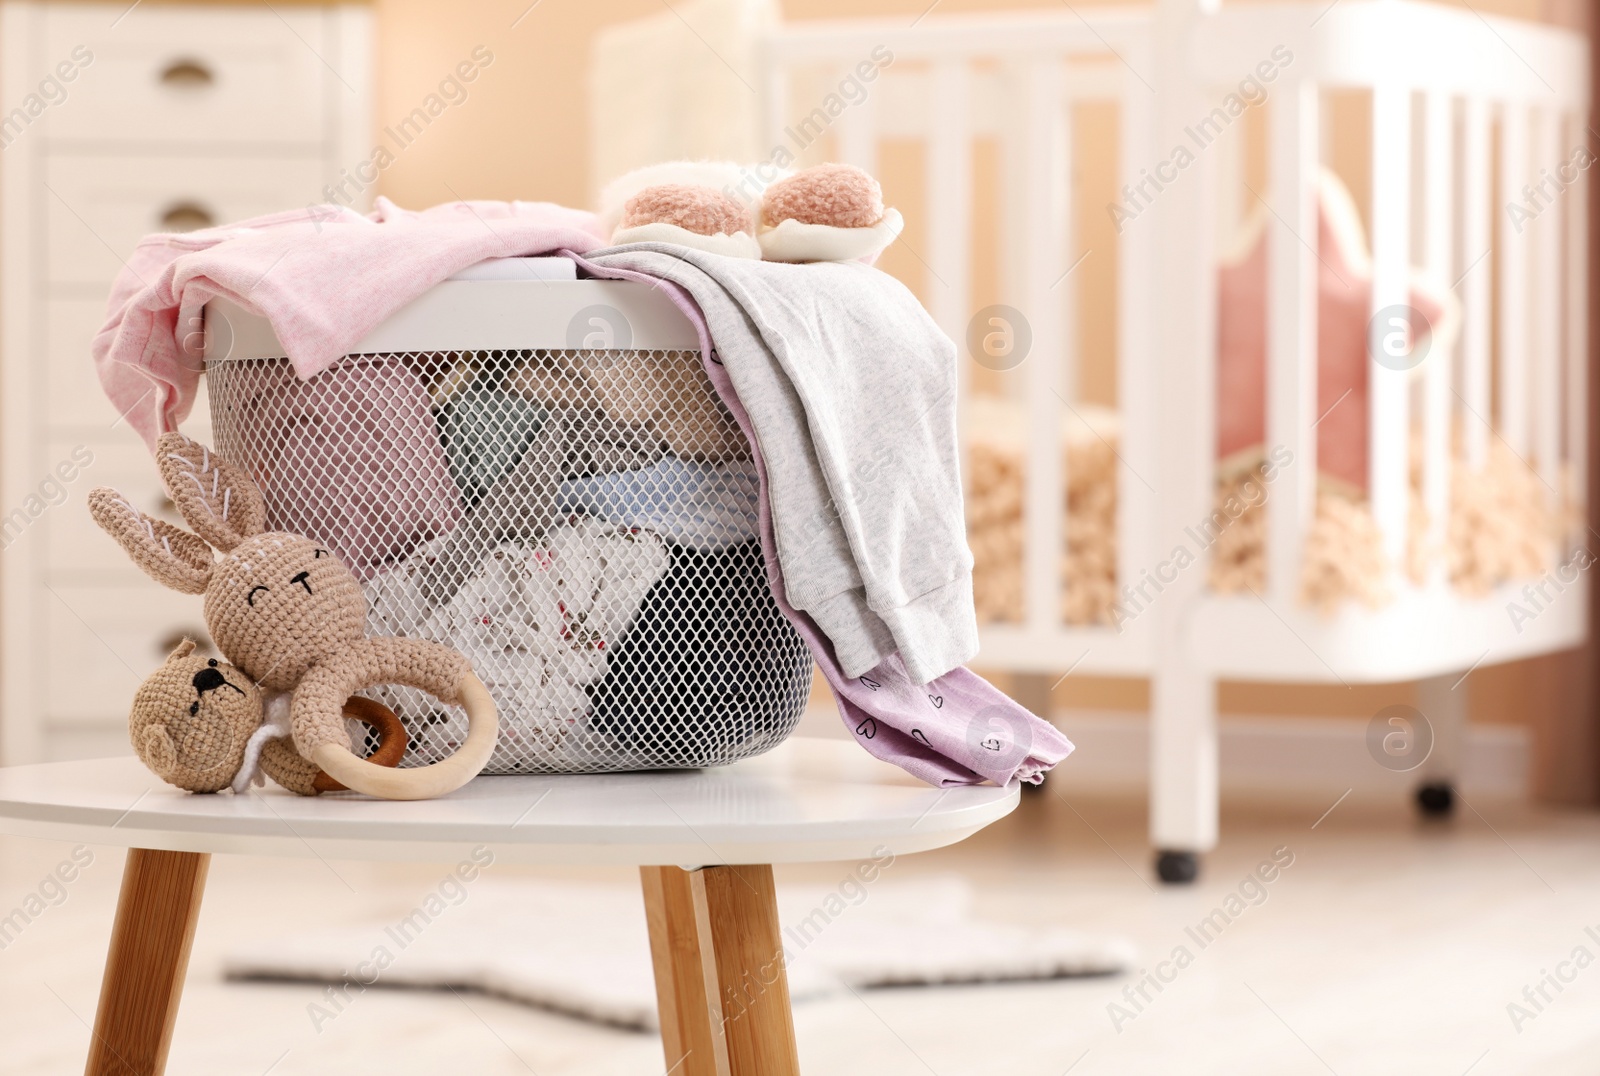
1229,150
1476,272
1391,261
1439,190
948,171
1137,389
1292,333
1577,335
948,182
1045,482
774,104
1015,220
1545,235
1513,381
858,128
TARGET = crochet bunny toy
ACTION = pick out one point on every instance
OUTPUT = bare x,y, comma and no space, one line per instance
827,213
289,615
201,724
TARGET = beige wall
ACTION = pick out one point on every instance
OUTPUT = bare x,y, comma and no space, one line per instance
522,133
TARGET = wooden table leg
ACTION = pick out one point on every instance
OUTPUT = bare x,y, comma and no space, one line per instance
721,984
740,909
150,942
685,975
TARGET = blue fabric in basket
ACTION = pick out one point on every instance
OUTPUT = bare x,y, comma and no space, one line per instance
696,505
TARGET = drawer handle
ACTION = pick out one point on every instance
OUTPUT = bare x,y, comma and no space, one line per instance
186,217
169,642
187,74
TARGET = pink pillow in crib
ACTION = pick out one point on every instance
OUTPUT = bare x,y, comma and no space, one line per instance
1344,306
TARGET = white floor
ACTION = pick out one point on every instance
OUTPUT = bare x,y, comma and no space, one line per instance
1387,946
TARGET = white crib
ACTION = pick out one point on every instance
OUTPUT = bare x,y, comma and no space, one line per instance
1452,99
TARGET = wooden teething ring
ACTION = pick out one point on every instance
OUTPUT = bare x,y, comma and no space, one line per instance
423,782
391,738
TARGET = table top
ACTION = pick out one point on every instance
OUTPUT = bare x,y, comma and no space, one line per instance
808,800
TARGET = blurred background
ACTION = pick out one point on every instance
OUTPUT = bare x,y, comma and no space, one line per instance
182,115
552,115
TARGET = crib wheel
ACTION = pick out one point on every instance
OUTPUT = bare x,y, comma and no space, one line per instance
1436,799
1177,868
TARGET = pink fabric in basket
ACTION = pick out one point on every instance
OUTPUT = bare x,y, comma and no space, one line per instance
324,276
958,729
351,458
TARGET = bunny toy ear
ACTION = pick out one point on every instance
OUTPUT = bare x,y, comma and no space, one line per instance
171,556
217,498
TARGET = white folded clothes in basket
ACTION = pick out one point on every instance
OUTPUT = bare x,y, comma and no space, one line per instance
537,622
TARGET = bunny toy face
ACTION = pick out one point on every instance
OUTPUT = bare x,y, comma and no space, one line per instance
278,603
291,617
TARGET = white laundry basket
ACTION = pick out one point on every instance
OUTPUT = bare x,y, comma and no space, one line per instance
538,473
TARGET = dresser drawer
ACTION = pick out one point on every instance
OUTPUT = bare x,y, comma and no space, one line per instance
74,400
101,643
175,74
103,205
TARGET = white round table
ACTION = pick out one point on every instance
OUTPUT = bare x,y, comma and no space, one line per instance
704,841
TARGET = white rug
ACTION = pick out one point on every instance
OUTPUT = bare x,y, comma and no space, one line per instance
584,950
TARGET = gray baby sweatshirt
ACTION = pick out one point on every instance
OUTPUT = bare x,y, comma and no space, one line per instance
851,390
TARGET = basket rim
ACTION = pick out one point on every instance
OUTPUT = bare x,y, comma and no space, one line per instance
481,315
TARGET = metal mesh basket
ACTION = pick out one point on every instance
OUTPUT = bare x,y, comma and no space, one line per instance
580,523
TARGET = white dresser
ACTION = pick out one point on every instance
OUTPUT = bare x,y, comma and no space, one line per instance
117,122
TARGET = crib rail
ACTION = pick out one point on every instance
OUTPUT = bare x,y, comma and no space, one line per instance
1462,114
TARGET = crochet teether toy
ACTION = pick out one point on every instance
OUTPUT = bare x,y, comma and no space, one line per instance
192,718
290,616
